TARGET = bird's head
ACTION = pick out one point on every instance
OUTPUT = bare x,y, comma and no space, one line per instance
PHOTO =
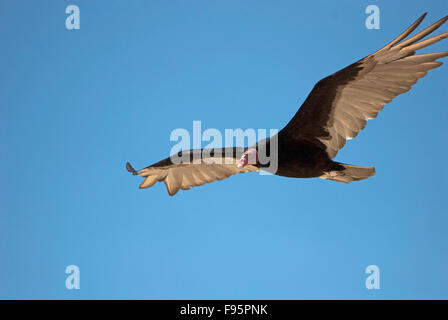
250,156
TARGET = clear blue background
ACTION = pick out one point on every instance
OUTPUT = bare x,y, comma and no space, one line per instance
76,105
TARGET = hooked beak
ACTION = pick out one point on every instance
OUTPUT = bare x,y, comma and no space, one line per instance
242,162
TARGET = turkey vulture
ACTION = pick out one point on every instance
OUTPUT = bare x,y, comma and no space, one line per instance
336,110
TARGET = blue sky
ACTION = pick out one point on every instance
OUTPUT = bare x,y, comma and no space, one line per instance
76,105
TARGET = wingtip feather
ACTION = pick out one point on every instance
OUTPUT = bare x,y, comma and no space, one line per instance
130,169
423,33
405,33
148,182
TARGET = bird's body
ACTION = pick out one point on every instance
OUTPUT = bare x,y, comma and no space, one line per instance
335,111
300,159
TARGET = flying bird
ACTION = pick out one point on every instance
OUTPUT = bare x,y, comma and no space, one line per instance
336,110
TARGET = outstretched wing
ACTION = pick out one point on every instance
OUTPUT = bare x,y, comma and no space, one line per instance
193,168
339,105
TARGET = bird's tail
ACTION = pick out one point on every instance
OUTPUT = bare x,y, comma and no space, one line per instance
348,173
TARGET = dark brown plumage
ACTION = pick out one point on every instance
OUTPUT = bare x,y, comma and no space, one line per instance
336,110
